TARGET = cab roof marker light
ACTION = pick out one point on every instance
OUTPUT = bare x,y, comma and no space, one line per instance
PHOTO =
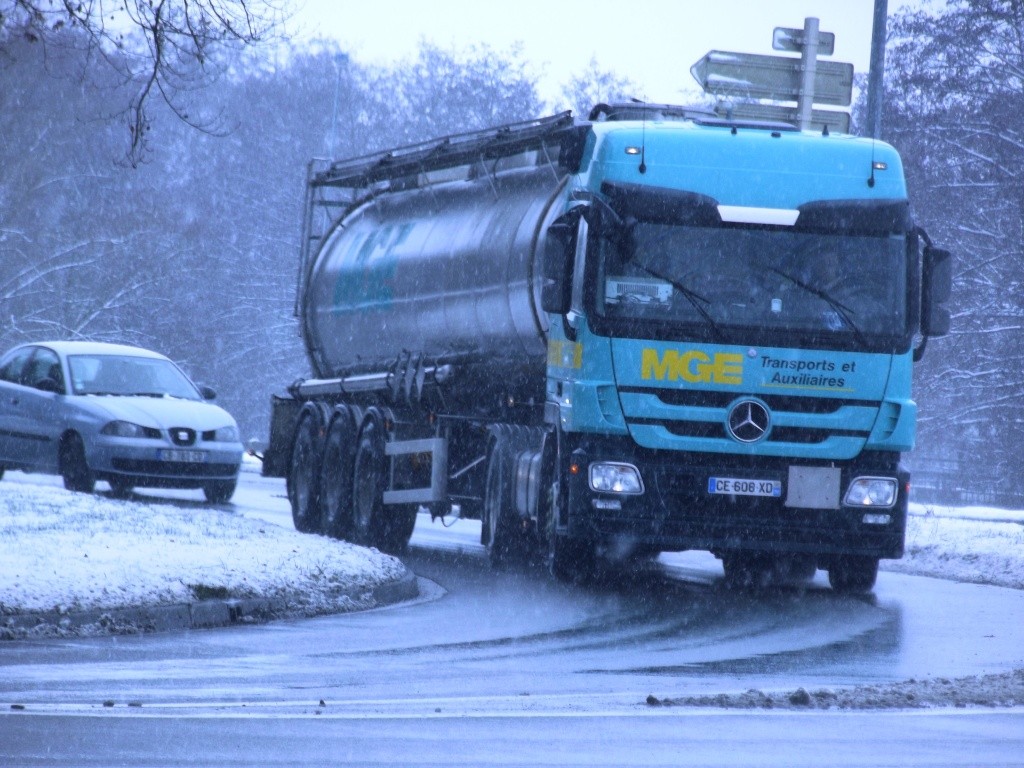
632,150
740,214
878,165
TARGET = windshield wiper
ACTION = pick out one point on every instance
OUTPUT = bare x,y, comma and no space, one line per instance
840,309
690,295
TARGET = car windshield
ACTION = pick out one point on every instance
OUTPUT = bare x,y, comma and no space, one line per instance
768,278
127,375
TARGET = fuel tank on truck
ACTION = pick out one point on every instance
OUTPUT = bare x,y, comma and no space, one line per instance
449,273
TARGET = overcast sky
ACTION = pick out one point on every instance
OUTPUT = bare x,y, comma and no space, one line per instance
652,42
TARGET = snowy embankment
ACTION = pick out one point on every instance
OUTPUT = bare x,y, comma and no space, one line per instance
63,552
981,545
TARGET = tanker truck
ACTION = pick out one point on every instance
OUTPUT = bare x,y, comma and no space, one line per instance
653,330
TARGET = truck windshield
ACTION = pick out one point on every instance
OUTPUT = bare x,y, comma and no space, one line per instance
731,278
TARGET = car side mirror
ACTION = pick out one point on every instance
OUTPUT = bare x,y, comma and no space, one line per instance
208,393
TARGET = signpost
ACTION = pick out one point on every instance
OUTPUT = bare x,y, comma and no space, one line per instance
805,80
771,77
788,39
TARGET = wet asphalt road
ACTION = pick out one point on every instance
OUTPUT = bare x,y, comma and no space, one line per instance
512,668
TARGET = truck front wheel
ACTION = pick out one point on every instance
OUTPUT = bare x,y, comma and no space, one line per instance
505,543
853,574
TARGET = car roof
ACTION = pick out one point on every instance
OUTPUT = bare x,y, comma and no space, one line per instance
65,348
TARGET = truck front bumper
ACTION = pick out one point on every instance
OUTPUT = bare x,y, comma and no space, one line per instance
676,510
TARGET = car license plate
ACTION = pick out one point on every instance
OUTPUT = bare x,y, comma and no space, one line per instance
734,486
177,454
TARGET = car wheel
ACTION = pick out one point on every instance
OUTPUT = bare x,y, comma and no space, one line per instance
120,487
219,491
73,466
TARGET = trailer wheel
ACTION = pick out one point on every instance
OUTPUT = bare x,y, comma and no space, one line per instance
336,475
304,472
368,480
505,543
852,574
397,528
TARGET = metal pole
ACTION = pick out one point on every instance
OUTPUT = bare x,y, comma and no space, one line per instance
809,63
876,75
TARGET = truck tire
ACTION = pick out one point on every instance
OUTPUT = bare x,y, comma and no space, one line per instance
853,574
368,479
304,471
572,560
747,570
74,468
506,544
336,514
398,525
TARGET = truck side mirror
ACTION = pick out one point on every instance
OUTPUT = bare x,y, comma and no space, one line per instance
559,254
936,289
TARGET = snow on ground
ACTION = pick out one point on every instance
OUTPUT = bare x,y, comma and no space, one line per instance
975,544
63,551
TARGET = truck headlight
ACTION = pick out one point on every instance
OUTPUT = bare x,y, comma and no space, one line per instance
612,477
871,492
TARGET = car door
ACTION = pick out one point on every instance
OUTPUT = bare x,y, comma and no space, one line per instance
30,410
12,416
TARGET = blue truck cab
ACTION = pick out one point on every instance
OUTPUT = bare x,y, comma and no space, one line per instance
735,310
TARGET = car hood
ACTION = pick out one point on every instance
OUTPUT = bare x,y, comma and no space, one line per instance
160,412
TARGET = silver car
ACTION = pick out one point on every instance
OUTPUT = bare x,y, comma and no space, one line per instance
92,411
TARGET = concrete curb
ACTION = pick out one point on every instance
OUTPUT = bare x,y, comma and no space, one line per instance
202,614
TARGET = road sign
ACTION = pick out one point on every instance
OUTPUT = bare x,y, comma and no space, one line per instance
749,75
788,39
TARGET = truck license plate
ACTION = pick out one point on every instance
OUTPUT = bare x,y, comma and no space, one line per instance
176,454
733,486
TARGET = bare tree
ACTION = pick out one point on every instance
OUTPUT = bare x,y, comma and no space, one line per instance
160,49
956,92
595,85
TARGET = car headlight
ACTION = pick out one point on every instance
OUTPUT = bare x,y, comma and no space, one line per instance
609,477
871,492
227,434
128,429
